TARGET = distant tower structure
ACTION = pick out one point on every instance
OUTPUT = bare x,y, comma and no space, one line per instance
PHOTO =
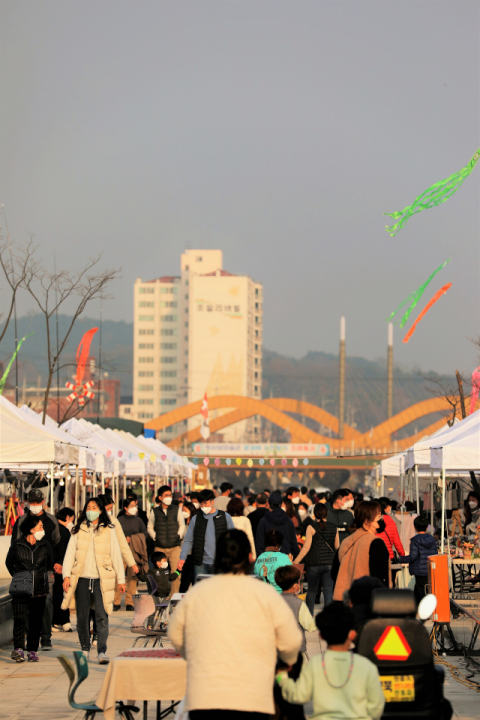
341,387
390,371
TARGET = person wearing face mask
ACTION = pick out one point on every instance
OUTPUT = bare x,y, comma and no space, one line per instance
472,513
61,618
339,512
363,552
31,553
188,511
141,513
162,575
203,533
195,500
133,528
166,527
387,530
36,507
92,565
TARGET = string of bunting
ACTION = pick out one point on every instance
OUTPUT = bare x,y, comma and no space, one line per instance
206,460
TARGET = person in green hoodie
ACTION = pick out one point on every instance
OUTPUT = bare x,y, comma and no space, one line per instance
339,512
268,562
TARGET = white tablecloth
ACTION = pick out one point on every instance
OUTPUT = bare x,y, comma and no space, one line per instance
140,678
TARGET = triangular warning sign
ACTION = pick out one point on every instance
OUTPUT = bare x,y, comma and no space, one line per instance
392,645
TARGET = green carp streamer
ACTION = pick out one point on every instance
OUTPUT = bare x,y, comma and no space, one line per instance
435,195
5,374
415,296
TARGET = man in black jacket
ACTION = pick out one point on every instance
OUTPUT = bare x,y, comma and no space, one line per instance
61,618
36,506
259,513
339,512
277,519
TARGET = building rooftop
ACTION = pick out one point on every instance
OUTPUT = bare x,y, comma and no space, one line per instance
164,279
219,273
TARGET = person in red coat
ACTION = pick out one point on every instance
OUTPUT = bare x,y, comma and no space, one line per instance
389,533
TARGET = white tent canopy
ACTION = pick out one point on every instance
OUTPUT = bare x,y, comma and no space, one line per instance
102,462
419,453
22,443
459,453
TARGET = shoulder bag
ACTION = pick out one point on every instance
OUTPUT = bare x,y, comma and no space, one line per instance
22,584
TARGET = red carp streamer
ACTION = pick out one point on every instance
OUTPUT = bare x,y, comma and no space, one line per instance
436,297
475,389
78,390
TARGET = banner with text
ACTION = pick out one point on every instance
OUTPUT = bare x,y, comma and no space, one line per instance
260,450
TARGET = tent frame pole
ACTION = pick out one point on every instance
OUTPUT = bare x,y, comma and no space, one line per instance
77,490
442,535
416,489
52,482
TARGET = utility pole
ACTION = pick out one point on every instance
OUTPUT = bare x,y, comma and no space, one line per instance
390,371
341,389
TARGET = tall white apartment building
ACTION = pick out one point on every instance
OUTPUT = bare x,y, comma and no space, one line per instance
200,332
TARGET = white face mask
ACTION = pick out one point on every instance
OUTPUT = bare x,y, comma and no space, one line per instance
472,504
167,500
302,512
39,535
296,500
164,565
186,515
196,505
132,511
36,509
207,510
69,526
348,505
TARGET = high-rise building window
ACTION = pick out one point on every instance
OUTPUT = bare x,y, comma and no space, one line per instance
145,401
168,346
168,303
168,401
168,331
147,331
168,388
145,373
145,387
166,360
168,373
145,346
150,290
145,416
143,303
169,318
146,318
145,359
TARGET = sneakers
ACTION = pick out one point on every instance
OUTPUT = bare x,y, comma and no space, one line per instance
47,645
33,657
18,655
67,628
116,608
86,654
103,659
129,608
94,640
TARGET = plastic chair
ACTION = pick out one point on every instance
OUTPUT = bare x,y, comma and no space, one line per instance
82,673
144,607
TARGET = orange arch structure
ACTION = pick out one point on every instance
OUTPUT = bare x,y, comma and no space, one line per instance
275,410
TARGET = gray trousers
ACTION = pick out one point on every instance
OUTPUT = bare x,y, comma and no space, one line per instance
46,632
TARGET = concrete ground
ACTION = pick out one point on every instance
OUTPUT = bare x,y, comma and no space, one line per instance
40,690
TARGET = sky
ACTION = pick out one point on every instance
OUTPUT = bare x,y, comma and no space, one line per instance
279,132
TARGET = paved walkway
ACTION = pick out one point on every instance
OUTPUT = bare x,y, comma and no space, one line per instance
39,690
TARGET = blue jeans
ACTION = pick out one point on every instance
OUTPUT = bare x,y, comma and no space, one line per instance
318,576
203,569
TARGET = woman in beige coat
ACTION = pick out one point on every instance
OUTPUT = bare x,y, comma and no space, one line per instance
92,564
235,509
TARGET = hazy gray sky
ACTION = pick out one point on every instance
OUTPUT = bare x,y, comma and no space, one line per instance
279,132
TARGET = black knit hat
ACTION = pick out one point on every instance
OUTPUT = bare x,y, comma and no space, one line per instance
28,524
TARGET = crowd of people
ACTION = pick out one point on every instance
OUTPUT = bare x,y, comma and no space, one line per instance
342,544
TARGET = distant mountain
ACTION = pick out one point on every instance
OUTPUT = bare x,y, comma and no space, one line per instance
313,378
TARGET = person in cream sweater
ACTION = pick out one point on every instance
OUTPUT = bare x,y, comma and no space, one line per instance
230,628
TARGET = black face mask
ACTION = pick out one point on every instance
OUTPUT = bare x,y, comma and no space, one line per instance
381,526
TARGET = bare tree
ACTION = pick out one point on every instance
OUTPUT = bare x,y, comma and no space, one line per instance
51,290
448,390
18,267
